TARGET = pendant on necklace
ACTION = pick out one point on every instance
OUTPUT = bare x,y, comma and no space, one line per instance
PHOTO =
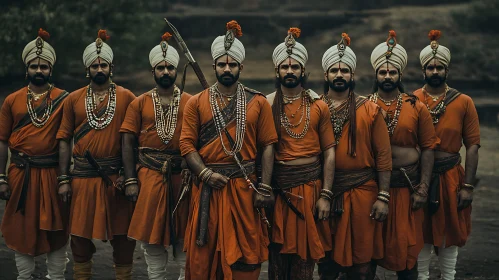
36,98
389,103
434,99
229,99
101,98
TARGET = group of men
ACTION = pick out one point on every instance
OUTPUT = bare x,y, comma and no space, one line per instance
233,178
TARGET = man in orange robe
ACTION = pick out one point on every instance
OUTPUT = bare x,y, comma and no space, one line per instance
362,153
159,171
411,133
34,221
447,223
224,126
300,230
92,119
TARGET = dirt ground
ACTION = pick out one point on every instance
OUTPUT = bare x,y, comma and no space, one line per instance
477,260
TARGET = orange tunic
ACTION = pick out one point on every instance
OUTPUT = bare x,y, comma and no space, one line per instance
403,229
150,221
357,238
307,238
235,230
97,211
459,124
43,227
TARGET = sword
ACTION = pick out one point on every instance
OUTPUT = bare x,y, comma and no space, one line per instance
188,55
186,182
97,167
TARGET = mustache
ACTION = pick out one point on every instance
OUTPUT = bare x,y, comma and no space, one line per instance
227,75
338,80
290,76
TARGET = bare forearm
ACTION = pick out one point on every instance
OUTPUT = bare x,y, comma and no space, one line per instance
267,163
427,159
471,164
195,162
129,142
4,154
64,156
328,169
384,180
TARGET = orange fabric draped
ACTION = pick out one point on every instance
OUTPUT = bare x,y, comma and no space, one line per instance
235,230
150,221
307,238
403,229
43,227
357,238
97,211
457,126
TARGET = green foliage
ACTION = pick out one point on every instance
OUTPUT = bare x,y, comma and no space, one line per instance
480,17
72,26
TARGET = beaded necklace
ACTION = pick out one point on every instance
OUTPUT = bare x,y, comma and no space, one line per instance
166,120
288,125
439,108
94,121
339,116
35,120
393,122
214,95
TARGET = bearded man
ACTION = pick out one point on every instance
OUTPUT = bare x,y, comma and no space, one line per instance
362,154
34,221
300,230
92,119
447,222
224,126
153,123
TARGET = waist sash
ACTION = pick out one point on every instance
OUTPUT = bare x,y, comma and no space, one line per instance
440,166
345,180
405,177
25,162
108,166
290,176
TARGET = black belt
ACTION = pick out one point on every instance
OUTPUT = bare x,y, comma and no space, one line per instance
440,166
25,162
290,176
345,180
405,177
90,167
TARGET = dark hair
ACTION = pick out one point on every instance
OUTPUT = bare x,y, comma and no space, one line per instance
326,86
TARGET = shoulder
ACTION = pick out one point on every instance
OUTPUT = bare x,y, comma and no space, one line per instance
371,108
75,95
271,97
418,93
253,91
125,91
18,93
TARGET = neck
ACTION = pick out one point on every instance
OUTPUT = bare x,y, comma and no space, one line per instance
291,91
340,96
436,90
39,89
166,92
388,95
104,86
227,90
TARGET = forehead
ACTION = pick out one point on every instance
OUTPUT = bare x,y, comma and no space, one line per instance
290,61
225,59
163,63
38,61
339,65
99,60
388,67
435,63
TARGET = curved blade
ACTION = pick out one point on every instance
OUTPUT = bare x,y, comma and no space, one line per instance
180,41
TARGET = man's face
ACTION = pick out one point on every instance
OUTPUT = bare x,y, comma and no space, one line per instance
388,77
39,71
99,71
435,73
227,70
339,76
165,74
290,73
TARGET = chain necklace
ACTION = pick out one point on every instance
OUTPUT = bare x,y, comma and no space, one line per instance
166,120
229,97
35,120
339,116
94,121
214,95
287,124
290,99
393,122
439,108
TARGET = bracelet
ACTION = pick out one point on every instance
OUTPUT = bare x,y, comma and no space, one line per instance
469,186
330,193
200,175
266,187
264,190
326,196
3,181
384,199
3,176
384,194
131,181
63,178
206,174
64,182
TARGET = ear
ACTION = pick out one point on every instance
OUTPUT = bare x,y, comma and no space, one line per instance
241,67
303,71
325,76
214,68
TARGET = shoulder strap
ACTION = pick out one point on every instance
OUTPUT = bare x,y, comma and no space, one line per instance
86,128
452,94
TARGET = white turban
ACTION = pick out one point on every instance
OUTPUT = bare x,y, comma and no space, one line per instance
340,53
434,50
39,48
169,54
229,44
98,49
391,52
290,48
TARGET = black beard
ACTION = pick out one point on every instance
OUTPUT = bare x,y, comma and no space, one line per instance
346,85
38,79
165,81
388,86
435,81
290,84
227,82
100,78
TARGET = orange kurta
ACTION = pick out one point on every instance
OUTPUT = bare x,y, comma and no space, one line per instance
307,238
97,211
357,238
150,221
459,124
43,227
403,229
235,230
